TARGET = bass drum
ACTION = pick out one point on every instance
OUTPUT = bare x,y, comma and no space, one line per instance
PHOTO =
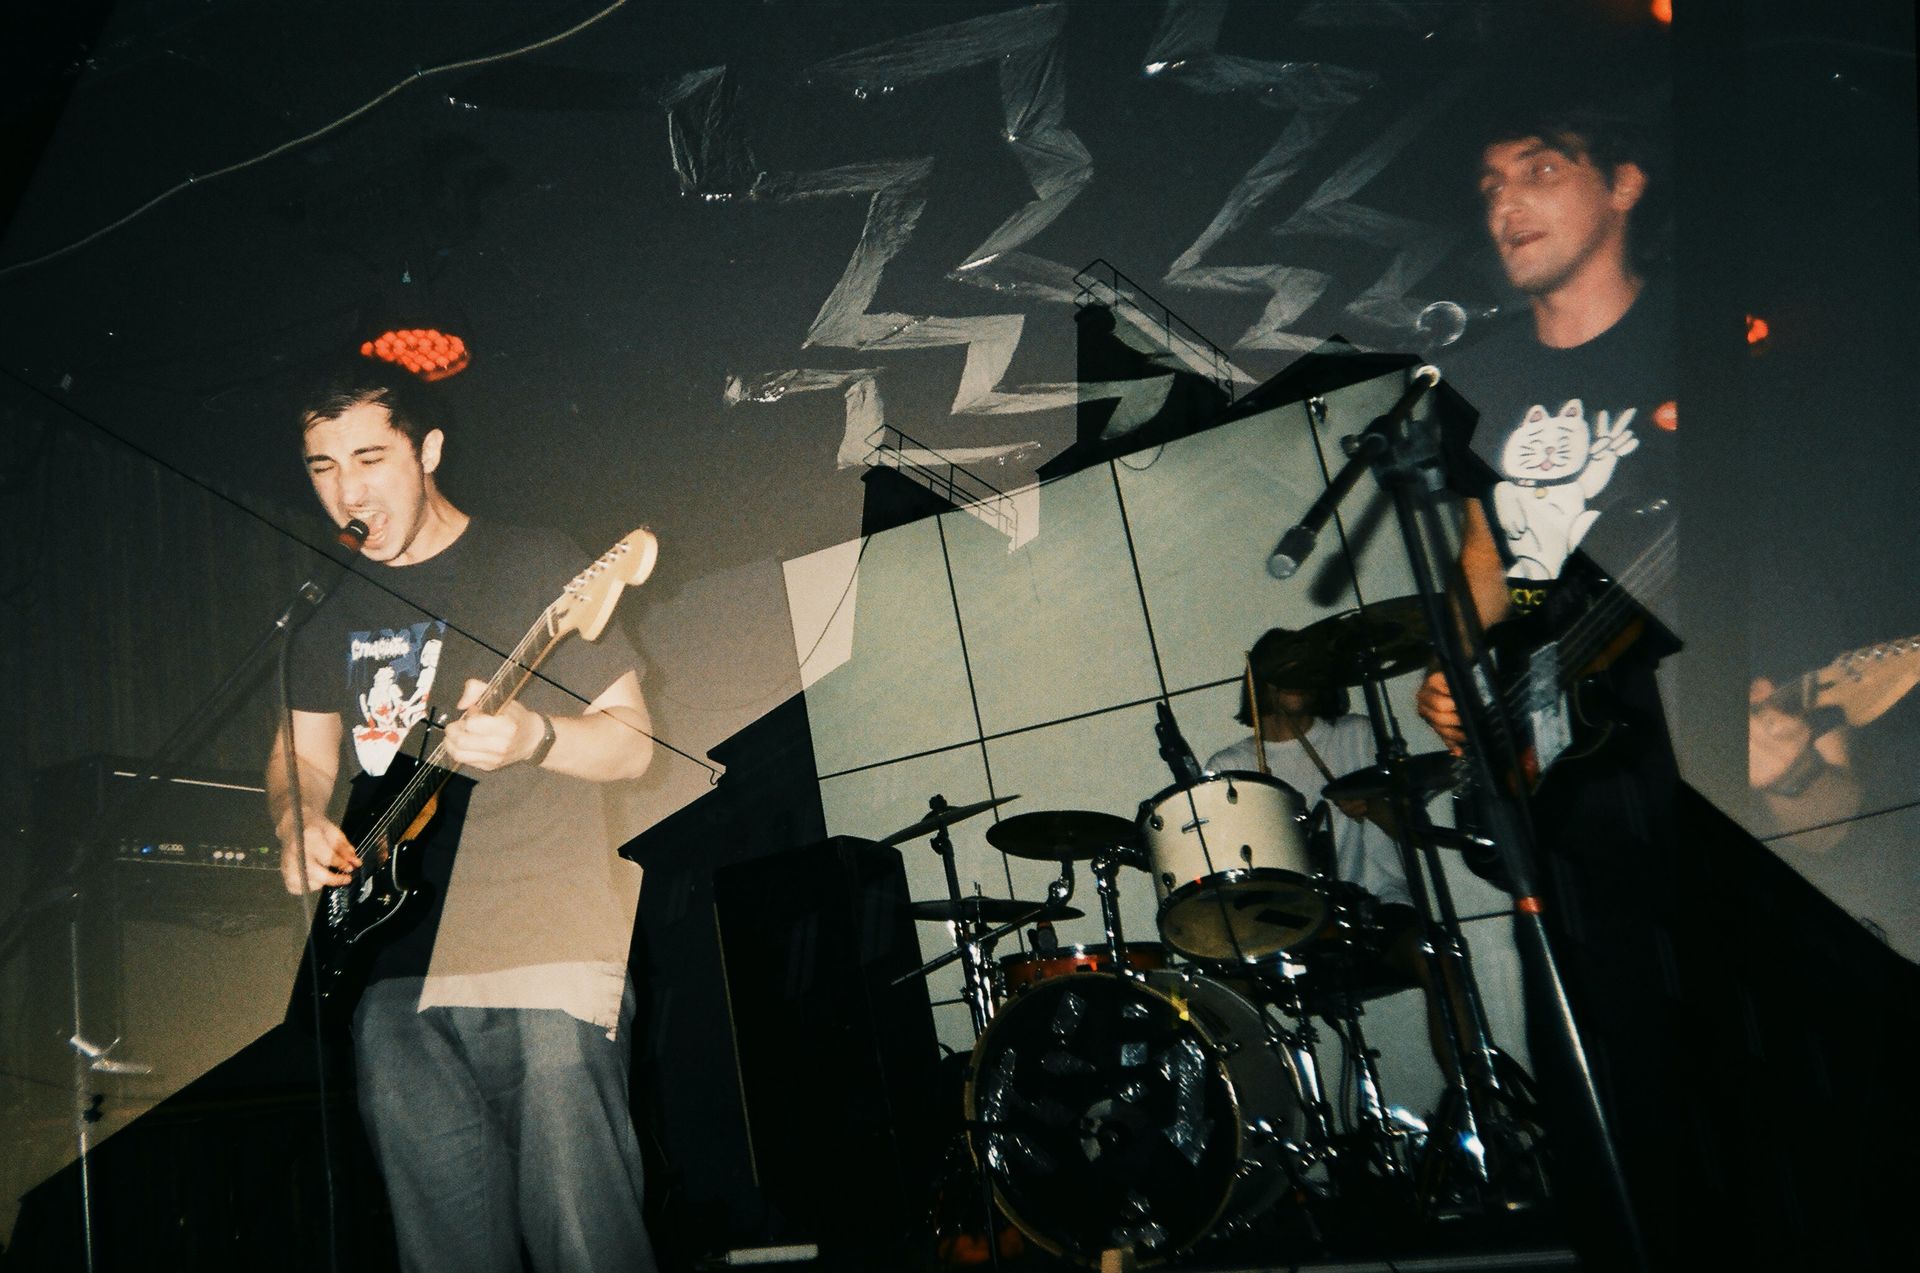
1132,1111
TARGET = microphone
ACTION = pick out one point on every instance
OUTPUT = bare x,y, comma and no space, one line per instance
352,535
1174,749
1443,322
1297,543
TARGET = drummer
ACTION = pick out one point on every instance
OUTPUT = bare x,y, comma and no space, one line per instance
1306,739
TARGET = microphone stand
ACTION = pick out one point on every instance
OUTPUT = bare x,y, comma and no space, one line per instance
68,890
1406,459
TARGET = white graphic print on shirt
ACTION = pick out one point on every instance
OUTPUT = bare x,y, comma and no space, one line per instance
391,674
1554,465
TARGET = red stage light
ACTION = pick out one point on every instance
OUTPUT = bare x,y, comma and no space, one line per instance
1663,10
1757,330
429,354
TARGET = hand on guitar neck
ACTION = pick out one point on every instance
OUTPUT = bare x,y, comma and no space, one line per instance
1804,771
1800,735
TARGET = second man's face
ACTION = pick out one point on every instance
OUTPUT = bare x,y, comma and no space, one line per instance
1552,216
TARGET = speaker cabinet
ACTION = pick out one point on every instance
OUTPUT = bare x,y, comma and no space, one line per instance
839,1069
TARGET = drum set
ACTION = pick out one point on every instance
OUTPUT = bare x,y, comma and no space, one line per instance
1151,1097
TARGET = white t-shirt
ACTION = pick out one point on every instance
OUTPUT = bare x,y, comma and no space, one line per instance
1363,853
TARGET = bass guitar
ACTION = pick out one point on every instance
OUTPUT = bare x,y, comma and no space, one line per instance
389,829
1549,690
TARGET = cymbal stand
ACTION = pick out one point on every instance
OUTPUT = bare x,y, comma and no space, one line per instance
1372,1126
1298,1045
1473,1079
1106,867
976,950
973,938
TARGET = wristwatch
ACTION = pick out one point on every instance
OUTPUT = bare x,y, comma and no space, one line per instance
546,742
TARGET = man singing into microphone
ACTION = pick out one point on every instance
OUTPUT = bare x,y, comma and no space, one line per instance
490,1042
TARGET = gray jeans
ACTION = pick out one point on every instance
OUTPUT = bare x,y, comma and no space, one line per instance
500,1126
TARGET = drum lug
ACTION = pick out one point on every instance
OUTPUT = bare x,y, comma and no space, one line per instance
1265,1129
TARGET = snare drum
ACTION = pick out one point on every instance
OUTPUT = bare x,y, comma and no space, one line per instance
1017,972
1231,865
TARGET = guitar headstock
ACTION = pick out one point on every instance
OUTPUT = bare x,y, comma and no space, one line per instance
587,602
1865,683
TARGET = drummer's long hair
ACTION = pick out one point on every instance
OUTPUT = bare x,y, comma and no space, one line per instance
1323,701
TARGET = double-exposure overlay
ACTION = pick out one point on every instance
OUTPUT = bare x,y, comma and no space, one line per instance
874,636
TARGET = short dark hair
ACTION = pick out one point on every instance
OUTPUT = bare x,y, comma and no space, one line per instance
1272,659
412,405
1606,137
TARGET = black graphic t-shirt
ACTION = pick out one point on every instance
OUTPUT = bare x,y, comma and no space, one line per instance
1576,449
394,644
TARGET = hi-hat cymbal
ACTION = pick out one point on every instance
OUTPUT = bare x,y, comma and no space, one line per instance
1427,775
989,910
1060,835
943,818
1382,641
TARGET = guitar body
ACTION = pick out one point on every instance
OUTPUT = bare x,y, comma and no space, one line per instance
1557,665
390,889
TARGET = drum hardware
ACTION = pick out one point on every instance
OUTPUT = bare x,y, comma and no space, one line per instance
973,941
1073,835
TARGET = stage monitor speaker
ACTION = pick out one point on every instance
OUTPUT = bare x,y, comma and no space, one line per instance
839,1069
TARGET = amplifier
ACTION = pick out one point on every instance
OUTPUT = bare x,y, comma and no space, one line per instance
255,856
187,941
203,818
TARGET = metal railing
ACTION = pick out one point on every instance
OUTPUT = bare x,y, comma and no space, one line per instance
960,487
1100,282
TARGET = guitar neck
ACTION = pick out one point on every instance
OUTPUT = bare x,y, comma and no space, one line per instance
1801,695
505,685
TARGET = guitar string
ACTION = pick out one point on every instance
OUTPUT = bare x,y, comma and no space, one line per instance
1654,563
1804,689
418,780
544,625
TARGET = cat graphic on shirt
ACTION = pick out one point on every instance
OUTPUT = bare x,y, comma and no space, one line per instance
1554,464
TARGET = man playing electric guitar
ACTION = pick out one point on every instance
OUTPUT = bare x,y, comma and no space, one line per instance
1575,453
490,1039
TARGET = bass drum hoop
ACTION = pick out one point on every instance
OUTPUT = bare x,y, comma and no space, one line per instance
1218,1053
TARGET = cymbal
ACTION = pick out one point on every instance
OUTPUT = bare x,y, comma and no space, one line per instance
989,910
1427,774
1382,641
1060,835
944,818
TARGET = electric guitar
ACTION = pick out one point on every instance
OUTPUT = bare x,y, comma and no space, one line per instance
388,831
1549,690
1862,685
